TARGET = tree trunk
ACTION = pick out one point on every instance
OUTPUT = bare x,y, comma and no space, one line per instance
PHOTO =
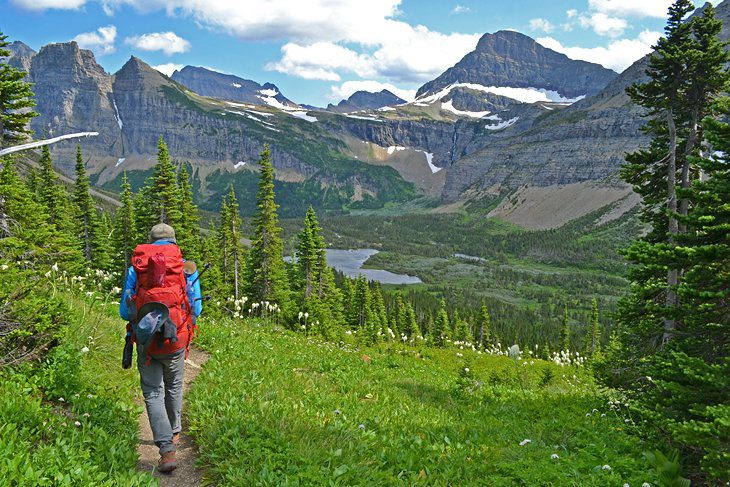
686,166
4,219
673,227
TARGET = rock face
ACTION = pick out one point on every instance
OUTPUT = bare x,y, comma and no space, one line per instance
366,100
228,87
74,94
20,55
511,59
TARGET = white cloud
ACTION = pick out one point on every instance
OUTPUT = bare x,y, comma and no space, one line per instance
631,8
100,41
49,4
349,87
460,9
321,60
167,42
571,13
542,25
603,25
168,68
618,55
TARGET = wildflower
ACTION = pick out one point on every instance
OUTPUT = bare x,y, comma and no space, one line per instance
60,399
54,267
603,415
4,267
300,315
85,350
362,426
588,415
627,420
47,274
337,412
459,354
304,327
554,456
627,485
77,423
306,315
86,415
646,484
89,396
525,442
595,411
606,467
466,369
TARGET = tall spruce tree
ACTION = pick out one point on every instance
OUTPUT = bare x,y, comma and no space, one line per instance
159,199
593,339
124,235
88,230
484,327
266,272
188,235
441,327
53,196
565,331
16,100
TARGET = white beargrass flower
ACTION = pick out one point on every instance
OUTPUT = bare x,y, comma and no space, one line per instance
525,442
554,456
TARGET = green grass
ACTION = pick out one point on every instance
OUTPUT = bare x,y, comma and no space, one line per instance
276,408
71,419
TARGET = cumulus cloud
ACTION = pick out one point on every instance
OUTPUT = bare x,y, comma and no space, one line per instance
604,25
631,8
100,41
618,55
349,87
459,9
168,68
542,25
49,4
167,42
321,60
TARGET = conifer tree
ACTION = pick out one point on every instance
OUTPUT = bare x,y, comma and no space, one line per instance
53,196
565,331
124,236
233,251
378,307
16,100
484,327
441,327
594,337
266,271
159,201
359,310
88,231
410,325
309,247
189,233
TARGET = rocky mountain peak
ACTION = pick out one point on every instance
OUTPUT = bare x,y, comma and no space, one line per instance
20,55
366,100
514,60
207,82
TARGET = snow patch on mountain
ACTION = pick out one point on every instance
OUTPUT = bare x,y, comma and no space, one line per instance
503,124
120,161
116,115
524,95
394,148
304,116
239,164
235,85
449,106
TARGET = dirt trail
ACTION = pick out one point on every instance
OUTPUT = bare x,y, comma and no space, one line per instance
186,474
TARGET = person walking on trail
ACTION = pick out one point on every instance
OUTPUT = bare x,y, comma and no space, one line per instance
161,301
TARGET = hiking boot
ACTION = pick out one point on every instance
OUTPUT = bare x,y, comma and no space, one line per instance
167,462
176,439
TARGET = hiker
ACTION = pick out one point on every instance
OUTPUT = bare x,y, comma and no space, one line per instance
161,301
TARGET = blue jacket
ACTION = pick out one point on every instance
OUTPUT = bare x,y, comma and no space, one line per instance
130,285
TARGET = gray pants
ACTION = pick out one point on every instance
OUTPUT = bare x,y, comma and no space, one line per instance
162,387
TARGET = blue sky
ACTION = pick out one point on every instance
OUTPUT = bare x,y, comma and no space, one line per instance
319,51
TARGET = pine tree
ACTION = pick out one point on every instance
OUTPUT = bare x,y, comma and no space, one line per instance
309,247
88,231
124,236
188,235
593,343
410,325
380,314
53,196
16,100
565,331
266,272
159,201
484,327
231,246
360,307
441,327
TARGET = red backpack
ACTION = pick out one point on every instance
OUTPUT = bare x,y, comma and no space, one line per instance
160,278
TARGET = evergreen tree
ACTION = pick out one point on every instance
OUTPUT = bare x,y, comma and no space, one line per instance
232,249
267,278
380,314
188,235
159,201
441,327
16,100
593,342
53,196
310,246
410,325
484,327
88,231
124,236
565,331
359,309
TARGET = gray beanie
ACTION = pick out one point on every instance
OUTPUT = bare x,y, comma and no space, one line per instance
162,231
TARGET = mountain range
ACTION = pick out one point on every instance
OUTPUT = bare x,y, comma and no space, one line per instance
513,126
